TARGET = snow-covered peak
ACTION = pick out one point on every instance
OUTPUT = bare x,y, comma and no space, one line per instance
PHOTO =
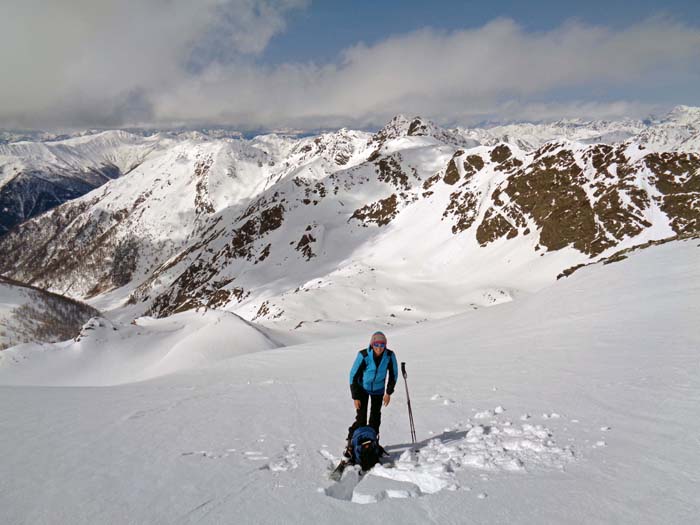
335,149
396,127
679,130
685,116
529,136
401,126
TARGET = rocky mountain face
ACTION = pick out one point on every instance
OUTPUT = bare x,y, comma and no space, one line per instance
29,314
272,227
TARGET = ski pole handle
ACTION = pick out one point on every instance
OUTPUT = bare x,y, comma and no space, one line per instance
403,369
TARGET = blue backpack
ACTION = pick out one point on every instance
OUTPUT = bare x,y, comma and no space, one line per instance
366,449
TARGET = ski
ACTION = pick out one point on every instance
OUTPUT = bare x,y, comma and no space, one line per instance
337,472
387,462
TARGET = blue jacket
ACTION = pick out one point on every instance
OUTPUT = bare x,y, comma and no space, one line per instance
368,374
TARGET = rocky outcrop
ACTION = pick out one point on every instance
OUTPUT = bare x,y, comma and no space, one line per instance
590,199
380,213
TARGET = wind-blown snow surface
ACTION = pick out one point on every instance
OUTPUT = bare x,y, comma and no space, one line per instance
107,353
577,404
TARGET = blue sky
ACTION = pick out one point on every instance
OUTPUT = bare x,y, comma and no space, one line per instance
302,64
321,32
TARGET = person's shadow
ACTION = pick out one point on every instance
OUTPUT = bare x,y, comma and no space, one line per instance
447,437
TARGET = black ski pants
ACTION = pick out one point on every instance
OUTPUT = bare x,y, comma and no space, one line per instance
375,414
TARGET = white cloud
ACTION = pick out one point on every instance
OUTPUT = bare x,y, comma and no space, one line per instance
194,65
84,62
540,111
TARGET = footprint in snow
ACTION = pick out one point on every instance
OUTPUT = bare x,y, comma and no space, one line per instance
207,454
445,400
254,456
288,460
327,454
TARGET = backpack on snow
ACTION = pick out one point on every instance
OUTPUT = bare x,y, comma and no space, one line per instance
366,449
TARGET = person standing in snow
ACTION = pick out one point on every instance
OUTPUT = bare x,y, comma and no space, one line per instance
367,382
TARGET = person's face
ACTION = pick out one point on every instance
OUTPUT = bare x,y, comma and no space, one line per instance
378,347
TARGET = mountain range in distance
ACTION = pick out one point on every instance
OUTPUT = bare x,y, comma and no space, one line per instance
409,223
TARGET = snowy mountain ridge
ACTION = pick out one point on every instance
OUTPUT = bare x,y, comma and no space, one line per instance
679,130
40,170
37,176
290,231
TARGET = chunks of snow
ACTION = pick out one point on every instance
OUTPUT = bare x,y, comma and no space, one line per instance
436,465
552,415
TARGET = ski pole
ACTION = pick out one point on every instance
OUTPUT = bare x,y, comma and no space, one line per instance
408,400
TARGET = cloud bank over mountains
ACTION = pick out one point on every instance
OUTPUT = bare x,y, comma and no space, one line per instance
73,64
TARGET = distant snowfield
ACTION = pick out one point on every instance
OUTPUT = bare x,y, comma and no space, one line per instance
107,353
576,404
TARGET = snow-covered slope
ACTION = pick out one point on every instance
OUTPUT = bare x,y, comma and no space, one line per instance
29,314
574,405
106,353
37,176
